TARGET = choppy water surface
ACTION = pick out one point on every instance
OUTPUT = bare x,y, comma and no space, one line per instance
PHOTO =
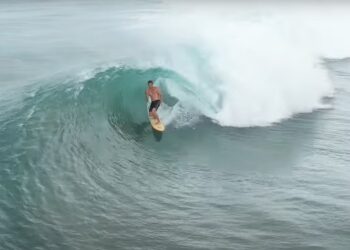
256,152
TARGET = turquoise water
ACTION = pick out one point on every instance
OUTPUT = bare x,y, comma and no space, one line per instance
242,165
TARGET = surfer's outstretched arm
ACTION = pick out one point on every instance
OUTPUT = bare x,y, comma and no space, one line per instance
160,95
146,95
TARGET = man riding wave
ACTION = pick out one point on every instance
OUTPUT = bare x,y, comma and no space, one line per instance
156,98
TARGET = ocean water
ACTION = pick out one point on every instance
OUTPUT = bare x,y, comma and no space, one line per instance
257,107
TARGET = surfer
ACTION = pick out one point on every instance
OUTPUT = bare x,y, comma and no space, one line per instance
156,98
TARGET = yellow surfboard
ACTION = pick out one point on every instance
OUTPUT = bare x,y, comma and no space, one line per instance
160,127
156,126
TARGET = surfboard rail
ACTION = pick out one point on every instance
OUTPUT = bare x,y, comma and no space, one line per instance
156,126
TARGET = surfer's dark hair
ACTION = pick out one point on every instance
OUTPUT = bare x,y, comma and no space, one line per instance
150,81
